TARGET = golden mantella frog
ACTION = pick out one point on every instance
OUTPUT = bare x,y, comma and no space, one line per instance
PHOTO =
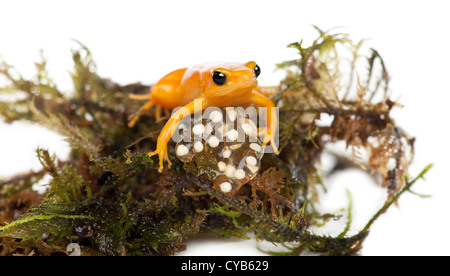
199,87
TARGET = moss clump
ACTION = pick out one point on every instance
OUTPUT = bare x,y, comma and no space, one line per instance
109,198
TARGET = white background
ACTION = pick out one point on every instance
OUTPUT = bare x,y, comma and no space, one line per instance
140,40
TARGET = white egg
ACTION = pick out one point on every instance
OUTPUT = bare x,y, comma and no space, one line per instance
251,161
216,116
226,153
182,150
249,130
253,169
198,129
229,170
239,174
255,147
232,115
222,166
213,141
232,135
198,146
225,187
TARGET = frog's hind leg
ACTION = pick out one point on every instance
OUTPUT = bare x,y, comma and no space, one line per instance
158,113
135,117
166,112
159,116
140,96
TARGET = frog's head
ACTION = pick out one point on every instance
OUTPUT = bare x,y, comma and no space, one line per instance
230,83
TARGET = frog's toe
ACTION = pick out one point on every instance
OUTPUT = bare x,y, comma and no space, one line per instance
163,156
271,139
132,120
166,158
274,147
161,159
160,169
150,154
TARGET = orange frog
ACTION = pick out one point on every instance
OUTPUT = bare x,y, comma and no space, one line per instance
202,86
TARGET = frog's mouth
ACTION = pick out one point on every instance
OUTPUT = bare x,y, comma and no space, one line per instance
237,89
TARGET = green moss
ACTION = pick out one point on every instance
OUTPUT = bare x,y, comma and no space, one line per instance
109,197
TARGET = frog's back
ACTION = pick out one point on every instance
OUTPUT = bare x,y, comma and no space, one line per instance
167,91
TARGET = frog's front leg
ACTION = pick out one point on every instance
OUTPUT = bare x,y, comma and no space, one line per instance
170,127
268,91
271,119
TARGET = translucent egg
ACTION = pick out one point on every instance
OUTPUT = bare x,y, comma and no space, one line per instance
233,142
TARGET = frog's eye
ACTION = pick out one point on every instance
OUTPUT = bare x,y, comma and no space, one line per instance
257,70
219,78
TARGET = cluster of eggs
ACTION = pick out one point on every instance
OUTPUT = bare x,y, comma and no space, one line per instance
229,136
